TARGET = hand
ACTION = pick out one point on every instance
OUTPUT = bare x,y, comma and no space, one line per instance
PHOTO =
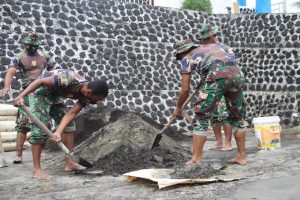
4,91
56,137
18,101
176,113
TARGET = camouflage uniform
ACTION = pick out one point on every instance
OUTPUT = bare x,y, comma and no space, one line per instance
223,78
46,103
30,67
220,114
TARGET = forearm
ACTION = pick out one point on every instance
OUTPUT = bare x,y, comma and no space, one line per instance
33,86
9,77
183,95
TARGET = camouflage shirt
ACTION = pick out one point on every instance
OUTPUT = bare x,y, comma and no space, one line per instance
203,57
66,83
31,66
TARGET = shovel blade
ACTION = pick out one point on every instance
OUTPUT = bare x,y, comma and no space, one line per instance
156,141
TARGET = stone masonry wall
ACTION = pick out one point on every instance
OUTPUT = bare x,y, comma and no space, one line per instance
131,46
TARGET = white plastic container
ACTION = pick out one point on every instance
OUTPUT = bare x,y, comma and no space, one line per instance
267,132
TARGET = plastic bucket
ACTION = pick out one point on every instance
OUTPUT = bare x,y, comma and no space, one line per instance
267,132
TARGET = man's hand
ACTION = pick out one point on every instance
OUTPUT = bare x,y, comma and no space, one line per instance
176,113
56,137
4,91
18,101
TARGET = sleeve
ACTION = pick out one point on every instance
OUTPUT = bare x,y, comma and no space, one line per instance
14,63
50,64
228,52
82,102
62,79
185,66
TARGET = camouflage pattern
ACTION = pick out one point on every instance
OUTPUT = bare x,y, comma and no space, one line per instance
203,57
207,30
66,83
223,78
31,66
46,107
183,46
23,124
220,114
31,38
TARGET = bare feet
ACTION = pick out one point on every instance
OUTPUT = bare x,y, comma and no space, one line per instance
216,147
226,148
73,166
18,160
39,174
193,162
238,160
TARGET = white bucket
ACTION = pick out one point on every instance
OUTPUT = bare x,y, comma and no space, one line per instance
267,132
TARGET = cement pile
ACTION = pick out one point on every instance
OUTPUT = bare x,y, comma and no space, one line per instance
195,171
124,143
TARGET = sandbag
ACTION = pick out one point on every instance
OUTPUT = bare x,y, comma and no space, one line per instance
9,136
8,118
11,146
7,126
8,110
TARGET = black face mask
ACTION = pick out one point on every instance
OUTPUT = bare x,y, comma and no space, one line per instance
31,49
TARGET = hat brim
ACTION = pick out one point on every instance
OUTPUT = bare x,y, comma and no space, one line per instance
177,55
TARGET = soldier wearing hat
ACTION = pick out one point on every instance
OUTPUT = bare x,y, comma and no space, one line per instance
221,78
30,62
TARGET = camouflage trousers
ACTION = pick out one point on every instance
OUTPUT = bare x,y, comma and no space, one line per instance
47,108
220,114
23,123
206,107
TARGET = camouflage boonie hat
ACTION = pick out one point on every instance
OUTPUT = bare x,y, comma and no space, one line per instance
184,46
31,39
207,30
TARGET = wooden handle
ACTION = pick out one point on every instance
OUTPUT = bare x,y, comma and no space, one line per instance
43,127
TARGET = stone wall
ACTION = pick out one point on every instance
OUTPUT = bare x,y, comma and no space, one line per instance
131,46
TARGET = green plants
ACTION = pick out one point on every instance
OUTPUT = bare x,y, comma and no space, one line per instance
198,5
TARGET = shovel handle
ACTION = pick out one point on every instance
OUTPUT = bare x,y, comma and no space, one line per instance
43,127
182,107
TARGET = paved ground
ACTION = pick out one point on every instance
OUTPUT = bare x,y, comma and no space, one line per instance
269,174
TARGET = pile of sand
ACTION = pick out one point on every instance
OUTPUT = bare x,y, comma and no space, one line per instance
124,144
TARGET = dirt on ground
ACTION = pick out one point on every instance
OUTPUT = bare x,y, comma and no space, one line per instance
122,144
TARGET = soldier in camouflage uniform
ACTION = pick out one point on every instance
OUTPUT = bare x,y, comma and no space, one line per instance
30,62
222,77
219,120
45,102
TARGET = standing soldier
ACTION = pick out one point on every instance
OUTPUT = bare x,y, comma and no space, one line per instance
222,77
30,62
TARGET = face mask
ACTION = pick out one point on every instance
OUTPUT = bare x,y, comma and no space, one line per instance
31,49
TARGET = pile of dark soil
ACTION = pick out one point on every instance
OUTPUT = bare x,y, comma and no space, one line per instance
195,171
124,143
125,159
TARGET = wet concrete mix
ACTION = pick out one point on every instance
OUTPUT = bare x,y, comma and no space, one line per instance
123,144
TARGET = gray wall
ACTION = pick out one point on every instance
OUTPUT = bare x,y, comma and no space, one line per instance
131,46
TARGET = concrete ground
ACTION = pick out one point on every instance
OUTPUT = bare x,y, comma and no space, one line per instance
269,174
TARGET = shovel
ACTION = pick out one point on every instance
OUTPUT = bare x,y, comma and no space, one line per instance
159,135
49,133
